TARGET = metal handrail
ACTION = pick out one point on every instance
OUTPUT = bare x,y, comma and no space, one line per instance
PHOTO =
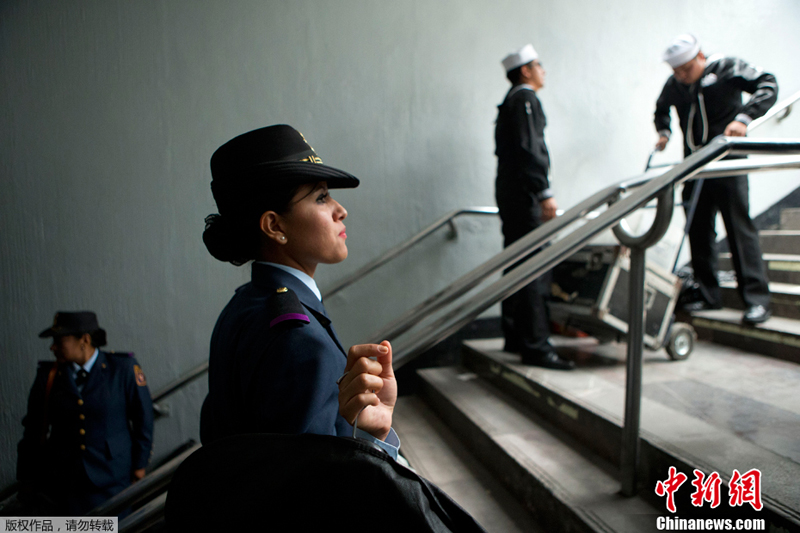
145,517
153,483
719,169
638,245
8,493
402,247
784,106
547,232
504,259
543,261
662,187
180,382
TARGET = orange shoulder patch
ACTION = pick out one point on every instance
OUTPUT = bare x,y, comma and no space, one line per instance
140,379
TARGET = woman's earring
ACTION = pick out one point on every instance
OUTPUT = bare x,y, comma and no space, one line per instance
283,238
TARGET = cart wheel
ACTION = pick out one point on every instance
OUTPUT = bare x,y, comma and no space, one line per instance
681,341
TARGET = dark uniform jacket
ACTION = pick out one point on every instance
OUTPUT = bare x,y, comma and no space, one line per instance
706,107
274,362
103,433
523,161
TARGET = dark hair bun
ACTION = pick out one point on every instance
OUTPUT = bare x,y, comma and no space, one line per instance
227,241
98,338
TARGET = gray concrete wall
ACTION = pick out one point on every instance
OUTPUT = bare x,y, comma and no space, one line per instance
111,110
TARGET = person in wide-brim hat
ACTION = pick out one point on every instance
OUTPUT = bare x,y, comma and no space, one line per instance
88,431
275,358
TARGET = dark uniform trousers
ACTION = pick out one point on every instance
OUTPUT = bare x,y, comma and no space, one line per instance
730,197
97,436
525,316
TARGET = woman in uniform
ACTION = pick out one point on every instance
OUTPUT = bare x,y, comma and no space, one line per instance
89,426
276,363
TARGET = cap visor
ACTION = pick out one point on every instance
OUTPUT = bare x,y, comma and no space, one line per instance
46,333
303,172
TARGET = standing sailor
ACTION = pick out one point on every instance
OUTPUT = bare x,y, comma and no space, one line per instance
525,202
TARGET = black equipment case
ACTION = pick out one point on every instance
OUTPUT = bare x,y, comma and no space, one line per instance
590,292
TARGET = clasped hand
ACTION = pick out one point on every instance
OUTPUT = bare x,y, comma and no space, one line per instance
369,385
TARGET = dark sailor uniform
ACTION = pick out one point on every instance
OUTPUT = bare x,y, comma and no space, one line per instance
274,362
80,447
523,163
704,110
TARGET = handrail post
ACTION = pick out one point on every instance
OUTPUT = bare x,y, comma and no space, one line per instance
629,456
629,459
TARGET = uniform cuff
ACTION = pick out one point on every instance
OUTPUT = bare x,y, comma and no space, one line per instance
744,119
141,462
390,445
545,194
665,133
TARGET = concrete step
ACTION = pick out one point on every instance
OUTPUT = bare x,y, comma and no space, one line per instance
778,337
781,268
438,455
779,241
790,218
696,414
562,484
784,298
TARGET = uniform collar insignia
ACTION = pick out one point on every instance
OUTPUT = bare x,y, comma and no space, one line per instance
269,277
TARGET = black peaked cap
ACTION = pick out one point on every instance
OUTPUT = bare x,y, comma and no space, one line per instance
278,154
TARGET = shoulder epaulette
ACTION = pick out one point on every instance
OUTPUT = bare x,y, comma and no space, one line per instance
120,354
284,305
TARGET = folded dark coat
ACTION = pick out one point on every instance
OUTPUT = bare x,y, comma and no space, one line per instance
267,482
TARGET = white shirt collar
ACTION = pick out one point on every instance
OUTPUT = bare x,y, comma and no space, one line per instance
89,364
299,274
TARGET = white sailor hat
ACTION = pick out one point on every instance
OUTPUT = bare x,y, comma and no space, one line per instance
523,56
681,50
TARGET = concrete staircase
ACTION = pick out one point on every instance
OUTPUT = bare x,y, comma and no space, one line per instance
546,444
780,336
553,438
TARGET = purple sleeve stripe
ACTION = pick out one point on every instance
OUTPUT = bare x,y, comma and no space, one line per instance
289,316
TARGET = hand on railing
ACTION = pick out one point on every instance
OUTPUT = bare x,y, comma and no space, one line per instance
736,129
549,209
